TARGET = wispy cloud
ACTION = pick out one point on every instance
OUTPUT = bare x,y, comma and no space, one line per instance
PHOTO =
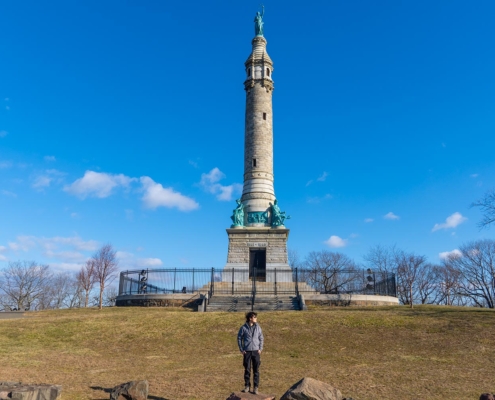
5,164
3,134
316,200
391,216
155,195
336,241
98,184
49,158
321,178
446,254
210,184
451,222
368,220
46,178
129,261
193,163
8,193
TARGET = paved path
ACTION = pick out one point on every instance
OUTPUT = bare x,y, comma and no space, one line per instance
11,314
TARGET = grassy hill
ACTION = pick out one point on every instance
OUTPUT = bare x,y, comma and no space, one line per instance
368,353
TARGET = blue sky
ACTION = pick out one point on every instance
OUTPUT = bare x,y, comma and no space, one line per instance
122,122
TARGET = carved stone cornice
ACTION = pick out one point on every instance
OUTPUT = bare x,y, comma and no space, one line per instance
266,83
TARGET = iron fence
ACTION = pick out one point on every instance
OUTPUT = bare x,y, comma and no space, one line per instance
257,281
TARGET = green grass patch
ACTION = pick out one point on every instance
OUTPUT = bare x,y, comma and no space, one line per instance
368,353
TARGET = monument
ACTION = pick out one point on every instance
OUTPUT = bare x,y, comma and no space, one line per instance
258,236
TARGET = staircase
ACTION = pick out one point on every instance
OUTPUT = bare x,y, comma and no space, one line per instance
262,303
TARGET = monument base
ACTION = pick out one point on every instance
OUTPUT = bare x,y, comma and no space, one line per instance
258,253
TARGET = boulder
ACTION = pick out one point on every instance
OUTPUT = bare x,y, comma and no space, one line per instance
250,396
487,396
311,389
134,390
20,391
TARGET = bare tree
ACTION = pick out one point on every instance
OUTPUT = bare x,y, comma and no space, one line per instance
409,267
106,267
109,296
86,278
476,265
487,206
330,272
23,283
427,284
448,281
381,258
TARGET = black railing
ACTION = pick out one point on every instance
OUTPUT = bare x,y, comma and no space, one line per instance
257,281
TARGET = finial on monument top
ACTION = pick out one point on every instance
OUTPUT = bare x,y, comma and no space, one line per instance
258,22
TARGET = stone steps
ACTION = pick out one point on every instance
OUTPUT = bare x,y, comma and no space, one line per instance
244,303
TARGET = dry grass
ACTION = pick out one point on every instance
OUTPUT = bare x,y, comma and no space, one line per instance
368,353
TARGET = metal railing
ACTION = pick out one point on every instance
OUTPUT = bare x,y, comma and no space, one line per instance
257,281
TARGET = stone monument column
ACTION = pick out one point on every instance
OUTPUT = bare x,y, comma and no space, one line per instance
258,192
258,235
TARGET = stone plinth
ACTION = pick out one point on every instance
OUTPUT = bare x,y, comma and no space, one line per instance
273,240
250,396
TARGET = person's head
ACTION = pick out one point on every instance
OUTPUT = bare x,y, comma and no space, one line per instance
251,317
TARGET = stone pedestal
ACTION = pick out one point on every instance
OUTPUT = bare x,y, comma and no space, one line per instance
272,240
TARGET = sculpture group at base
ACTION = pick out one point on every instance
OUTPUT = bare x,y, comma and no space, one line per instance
278,216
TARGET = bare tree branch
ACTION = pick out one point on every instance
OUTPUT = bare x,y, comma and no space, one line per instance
106,267
487,206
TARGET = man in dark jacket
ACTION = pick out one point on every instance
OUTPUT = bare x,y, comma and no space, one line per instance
250,341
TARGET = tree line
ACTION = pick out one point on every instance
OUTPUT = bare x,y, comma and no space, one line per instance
464,278
28,285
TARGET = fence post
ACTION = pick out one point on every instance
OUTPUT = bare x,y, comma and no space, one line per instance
297,283
121,283
275,271
212,286
232,281
192,289
175,273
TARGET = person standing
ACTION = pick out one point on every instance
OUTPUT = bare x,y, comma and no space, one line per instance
250,340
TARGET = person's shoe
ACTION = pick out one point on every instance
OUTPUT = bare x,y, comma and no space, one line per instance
255,391
245,390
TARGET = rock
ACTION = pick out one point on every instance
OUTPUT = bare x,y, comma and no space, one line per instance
311,389
250,396
484,396
20,391
134,390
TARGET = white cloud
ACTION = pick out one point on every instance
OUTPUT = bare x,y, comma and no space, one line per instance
451,222
155,195
316,200
49,158
5,164
210,184
3,134
391,216
44,180
129,261
368,220
336,241
322,177
98,184
193,163
7,108
446,254
9,194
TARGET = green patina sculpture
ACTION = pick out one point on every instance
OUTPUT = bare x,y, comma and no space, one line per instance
238,215
258,22
278,217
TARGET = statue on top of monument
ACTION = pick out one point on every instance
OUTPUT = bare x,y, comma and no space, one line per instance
238,215
258,22
278,217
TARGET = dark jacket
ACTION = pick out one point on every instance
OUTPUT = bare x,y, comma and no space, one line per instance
250,338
